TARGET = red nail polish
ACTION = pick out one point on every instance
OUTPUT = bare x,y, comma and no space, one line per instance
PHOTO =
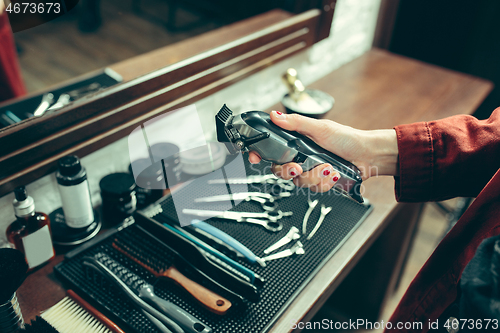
326,172
335,178
292,173
279,113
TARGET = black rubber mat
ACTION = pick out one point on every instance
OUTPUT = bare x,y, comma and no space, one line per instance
285,277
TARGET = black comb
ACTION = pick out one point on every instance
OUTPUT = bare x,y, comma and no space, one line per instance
224,114
222,118
145,291
93,264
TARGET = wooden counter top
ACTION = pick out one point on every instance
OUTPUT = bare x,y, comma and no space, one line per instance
377,90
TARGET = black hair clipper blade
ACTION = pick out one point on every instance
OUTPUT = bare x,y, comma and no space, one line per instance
223,120
229,135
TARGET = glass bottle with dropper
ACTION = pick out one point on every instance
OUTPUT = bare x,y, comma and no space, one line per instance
30,233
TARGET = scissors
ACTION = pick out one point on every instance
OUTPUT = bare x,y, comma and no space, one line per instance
266,200
268,220
286,185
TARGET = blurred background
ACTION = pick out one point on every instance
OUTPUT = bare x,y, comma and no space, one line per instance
456,34
98,33
459,35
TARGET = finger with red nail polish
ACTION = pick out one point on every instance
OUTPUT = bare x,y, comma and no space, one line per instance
278,115
325,172
335,178
315,176
290,170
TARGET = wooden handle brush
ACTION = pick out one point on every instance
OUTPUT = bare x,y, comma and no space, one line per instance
212,301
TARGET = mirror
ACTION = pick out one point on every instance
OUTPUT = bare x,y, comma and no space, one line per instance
66,56
159,81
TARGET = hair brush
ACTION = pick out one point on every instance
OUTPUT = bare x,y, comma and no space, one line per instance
161,269
73,313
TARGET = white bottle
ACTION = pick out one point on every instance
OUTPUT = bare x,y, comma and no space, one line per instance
75,192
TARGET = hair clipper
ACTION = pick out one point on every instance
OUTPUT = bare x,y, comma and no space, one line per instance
254,131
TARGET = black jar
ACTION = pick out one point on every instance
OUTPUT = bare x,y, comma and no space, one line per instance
168,154
118,193
150,182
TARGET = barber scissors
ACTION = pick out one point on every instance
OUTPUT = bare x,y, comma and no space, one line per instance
268,220
286,185
266,200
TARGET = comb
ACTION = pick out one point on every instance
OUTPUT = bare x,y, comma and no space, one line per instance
144,295
212,301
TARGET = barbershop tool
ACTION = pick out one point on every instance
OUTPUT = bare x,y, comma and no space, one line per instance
266,200
73,313
268,220
10,118
62,101
215,242
5,120
127,280
206,264
312,204
162,255
209,299
221,258
80,92
247,253
324,211
297,248
254,131
291,235
47,101
286,185
162,322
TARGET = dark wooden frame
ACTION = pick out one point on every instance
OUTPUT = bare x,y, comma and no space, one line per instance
385,23
30,149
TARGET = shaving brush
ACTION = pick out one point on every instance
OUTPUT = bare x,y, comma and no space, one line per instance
308,102
13,268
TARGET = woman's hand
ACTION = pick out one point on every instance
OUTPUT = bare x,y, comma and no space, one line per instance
373,152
